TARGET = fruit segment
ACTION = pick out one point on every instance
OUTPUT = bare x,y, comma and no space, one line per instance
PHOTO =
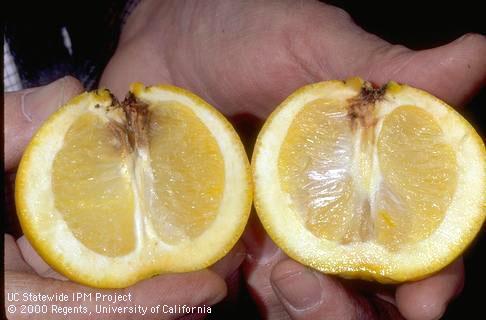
419,173
92,187
188,171
314,166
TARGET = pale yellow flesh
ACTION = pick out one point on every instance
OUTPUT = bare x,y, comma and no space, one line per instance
188,173
314,169
92,188
328,178
419,176
93,180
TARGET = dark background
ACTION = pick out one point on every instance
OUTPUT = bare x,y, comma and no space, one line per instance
410,23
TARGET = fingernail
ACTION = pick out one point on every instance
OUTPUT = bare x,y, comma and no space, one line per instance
38,103
299,287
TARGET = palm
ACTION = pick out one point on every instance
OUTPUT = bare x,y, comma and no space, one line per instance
245,60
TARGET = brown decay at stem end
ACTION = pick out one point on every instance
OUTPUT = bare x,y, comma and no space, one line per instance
133,132
361,107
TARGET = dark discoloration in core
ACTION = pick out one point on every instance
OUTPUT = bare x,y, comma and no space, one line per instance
132,133
361,107
137,117
121,138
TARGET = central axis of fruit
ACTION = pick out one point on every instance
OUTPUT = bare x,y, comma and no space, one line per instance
132,131
136,113
361,111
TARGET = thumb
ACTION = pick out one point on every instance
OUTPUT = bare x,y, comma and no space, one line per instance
341,49
453,72
26,110
167,294
307,294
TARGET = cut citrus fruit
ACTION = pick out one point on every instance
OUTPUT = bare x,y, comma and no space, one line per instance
386,184
111,193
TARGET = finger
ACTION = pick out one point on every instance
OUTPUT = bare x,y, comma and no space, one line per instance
453,72
166,289
13,258
308,294
225,268
427,299
205,286
26,110
228,269
262,255
33,259
231,261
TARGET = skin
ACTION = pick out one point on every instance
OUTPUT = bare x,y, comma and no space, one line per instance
244,57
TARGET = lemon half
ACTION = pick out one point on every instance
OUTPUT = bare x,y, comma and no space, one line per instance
110,193
386,184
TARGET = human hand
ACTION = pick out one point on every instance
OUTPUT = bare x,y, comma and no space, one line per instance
246,57
26,272
285,289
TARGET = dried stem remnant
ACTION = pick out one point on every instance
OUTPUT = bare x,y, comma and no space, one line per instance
130,131
137,117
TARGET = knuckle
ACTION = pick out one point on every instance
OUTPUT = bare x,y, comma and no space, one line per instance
341,14
72,86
